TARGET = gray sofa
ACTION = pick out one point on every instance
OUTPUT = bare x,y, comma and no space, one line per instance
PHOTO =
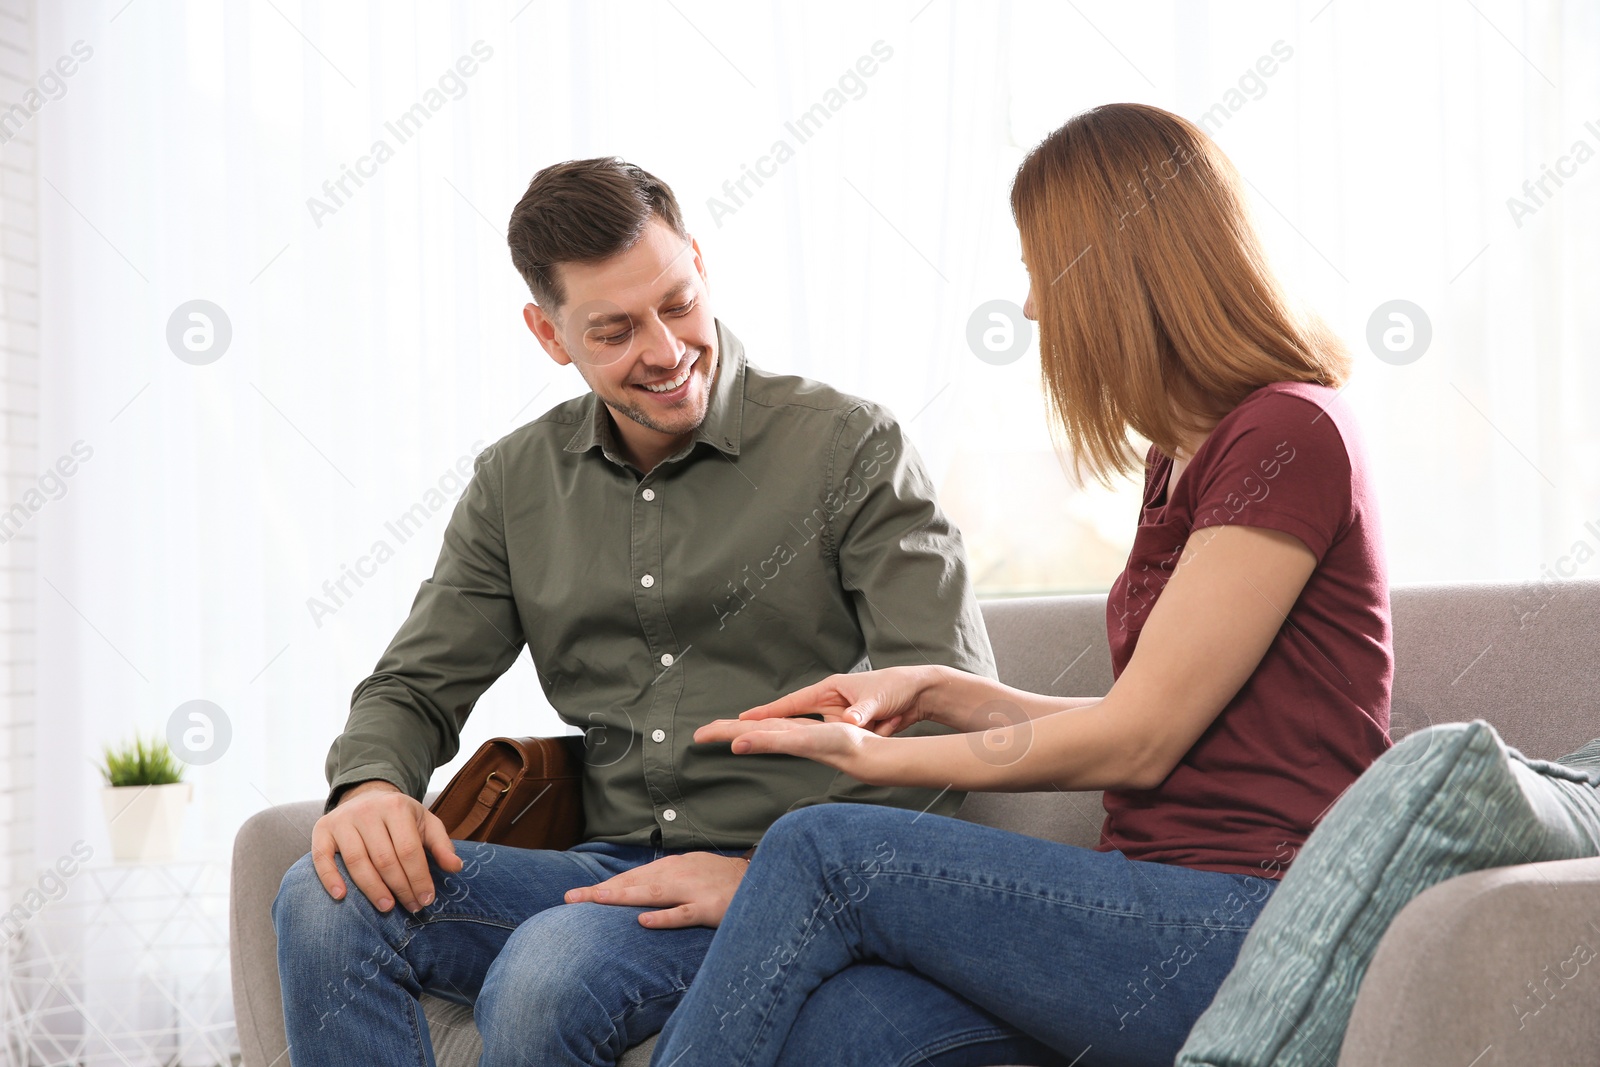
1449,977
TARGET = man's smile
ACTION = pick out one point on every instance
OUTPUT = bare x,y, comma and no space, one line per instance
670,388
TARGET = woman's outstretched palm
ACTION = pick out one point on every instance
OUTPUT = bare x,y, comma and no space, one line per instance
833,743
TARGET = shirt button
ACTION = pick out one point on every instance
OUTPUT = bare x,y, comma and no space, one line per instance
658,736
647,581
669,815
649,494
666,659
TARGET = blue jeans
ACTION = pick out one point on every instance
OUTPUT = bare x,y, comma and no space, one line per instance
548,982
869,935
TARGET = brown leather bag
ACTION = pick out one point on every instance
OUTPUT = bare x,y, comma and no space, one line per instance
521,791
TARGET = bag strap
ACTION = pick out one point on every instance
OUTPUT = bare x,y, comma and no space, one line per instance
495,787
502,765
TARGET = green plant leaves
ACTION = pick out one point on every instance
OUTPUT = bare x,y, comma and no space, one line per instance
140,762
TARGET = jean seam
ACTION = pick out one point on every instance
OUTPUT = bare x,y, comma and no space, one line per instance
416,926
617,1026
642,1001
1201,926
415,922
421,1038
951,1041
1003,890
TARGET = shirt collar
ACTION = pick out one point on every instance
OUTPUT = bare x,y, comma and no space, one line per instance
721,428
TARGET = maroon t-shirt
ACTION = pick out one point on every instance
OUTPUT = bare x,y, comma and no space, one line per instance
1315,713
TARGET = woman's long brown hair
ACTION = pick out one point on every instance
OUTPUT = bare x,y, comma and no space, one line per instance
1158,312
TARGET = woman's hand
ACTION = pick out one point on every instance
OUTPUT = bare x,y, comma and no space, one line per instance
839,745
884,702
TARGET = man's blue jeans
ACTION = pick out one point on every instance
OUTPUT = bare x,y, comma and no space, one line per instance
876,936
548,982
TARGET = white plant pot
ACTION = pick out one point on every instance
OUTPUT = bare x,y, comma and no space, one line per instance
145,821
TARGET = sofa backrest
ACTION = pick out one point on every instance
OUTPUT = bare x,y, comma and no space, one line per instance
1522,657
1055,645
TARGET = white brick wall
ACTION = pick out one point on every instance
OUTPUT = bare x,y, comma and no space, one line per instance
19,448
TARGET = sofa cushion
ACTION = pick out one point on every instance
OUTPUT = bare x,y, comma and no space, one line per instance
1443,802
1586,758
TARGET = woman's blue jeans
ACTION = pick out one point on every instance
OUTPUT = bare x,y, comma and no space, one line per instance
549,982
875,936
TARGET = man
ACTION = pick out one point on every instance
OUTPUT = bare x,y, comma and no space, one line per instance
692,538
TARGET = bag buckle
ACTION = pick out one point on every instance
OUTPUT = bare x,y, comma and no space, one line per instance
496,774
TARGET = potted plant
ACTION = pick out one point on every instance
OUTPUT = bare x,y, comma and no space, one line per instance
144,799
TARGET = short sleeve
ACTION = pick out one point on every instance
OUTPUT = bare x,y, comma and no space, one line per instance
1277,462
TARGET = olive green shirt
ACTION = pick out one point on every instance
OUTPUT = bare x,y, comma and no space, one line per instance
795,536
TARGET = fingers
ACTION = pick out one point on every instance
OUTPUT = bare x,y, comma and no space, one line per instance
351,845
436,839
864,711
322,851
590,894
648,895
640,896
404,863
723,730
673,918
385,841
692,889
757,742
733,729
827,699
814,698
728,729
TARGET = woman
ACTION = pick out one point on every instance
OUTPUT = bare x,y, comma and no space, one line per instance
1249,635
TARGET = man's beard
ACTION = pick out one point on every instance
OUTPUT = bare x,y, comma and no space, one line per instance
638,414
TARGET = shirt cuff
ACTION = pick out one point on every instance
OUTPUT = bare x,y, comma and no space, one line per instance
370,773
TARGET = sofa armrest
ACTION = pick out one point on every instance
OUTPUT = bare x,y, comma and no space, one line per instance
1496,967
266,846
264,849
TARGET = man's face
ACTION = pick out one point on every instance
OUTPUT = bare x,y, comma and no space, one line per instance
639,328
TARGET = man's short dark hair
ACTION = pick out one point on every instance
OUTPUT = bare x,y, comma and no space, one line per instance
583,211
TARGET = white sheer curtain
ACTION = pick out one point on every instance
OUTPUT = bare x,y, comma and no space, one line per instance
375,336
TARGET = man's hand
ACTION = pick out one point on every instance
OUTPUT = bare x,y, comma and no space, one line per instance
385,838
690,890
